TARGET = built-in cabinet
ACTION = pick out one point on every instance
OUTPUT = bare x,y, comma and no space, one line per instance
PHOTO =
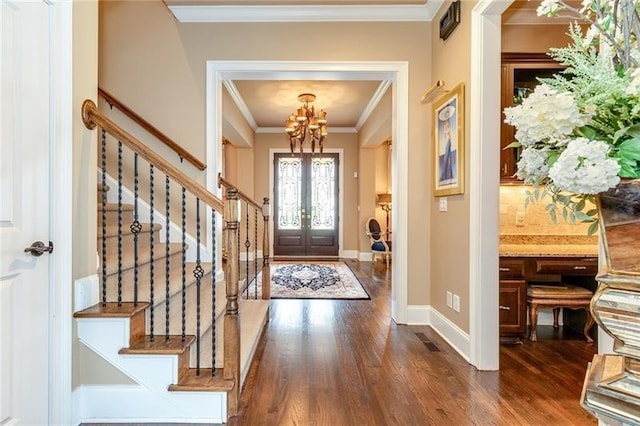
517,272
512,298
520,72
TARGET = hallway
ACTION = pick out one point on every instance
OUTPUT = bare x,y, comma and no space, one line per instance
338,363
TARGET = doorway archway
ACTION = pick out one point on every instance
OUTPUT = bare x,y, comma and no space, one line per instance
396,72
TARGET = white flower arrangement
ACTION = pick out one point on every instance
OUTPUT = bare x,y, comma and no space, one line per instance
579,131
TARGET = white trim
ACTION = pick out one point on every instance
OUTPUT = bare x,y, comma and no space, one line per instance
333,130
365,256
244,109
61,202
451,333
484,183
373,103
419,315
307,13
86,292
138,404
340,152
252,255
349,254
395,71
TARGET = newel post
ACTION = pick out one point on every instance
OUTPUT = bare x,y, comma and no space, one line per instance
231,317
266,272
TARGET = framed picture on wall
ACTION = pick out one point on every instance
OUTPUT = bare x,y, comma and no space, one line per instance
448,125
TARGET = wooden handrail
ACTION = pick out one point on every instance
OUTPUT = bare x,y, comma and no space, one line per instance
92,116
223,182
182,153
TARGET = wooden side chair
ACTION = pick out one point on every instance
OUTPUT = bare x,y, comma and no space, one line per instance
379,245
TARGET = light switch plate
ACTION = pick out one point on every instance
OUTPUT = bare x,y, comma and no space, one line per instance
443,204
456,303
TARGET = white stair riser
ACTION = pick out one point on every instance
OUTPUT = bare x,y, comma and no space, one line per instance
106,336
136,404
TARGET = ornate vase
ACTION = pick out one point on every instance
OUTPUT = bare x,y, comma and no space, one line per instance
612,382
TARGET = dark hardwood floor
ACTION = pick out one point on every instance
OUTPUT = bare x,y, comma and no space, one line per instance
346,363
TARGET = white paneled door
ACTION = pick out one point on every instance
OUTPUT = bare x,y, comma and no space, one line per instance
25,174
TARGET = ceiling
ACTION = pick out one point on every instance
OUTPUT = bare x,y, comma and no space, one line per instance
269,103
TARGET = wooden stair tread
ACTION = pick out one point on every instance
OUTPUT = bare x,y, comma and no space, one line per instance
112,310
190,381
159,345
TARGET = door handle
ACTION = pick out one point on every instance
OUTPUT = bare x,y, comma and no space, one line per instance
505,308
38,248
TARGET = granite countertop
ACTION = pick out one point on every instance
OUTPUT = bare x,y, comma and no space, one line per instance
548,246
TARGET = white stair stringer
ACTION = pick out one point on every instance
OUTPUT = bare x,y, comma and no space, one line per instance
254,315
154,373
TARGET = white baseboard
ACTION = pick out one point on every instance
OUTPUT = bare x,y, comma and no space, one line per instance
418,315
451,333
252,255
545,317
86,292
349,254
365,256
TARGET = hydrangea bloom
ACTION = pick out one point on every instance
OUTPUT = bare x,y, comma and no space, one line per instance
584,167
532,166
545,115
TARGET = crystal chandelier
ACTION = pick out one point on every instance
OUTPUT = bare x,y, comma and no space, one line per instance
305,124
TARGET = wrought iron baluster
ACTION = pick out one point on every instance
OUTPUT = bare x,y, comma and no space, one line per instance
119,223
184,262
247,244
167,269
104,216
136,228
198,273
151,254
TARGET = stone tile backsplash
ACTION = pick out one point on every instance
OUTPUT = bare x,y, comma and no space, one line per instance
536,218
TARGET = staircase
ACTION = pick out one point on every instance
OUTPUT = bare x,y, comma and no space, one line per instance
163,319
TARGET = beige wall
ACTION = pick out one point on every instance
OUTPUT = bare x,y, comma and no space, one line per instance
264,142
160,73
449,236
85,82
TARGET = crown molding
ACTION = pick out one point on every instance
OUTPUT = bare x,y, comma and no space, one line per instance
335,130
242,106
373,103
307,13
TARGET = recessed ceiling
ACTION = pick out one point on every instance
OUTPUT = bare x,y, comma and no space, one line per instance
271,102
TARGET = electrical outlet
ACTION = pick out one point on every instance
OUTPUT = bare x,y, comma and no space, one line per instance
443,204
449,299
519,218
456,303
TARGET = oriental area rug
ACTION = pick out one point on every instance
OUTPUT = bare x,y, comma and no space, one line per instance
318,280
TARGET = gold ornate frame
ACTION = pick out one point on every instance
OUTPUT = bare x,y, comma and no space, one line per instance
448,143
